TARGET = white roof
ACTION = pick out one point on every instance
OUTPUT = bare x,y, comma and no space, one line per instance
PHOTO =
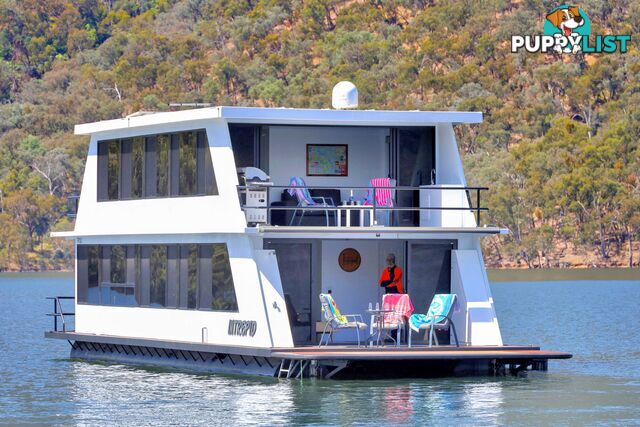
286,116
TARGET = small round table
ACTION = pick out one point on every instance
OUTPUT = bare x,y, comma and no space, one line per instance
377,315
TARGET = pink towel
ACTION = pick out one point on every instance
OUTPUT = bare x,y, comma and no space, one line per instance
382,195
400,304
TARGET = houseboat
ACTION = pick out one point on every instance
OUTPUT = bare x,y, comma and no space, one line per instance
213,238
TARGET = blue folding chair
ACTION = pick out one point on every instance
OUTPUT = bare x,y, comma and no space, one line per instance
298,188
437,318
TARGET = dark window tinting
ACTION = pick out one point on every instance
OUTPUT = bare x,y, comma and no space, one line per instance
173,276
115,289
223,291
113,163
103,171
150,167
206,178
165,165
244,143
162,165
118,257
93,276
125,169
190,276
137,281
158,266
137,162
187,166
87,274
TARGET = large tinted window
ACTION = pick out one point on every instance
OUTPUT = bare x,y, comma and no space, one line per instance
93,255
113,163
223,292
192,275
137,162
145,275
88,274
166,165
118,267
187,168
137,280
115,289
162,165
206,178
158,266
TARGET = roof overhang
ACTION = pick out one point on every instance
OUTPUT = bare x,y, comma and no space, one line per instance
286,116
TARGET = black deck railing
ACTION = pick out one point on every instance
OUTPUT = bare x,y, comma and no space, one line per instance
470,192
59,312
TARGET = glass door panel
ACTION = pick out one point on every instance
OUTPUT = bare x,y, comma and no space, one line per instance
294,263
415,166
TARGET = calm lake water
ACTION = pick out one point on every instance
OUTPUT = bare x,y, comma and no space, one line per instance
597,321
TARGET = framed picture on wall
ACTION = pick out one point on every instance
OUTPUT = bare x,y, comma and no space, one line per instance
327,160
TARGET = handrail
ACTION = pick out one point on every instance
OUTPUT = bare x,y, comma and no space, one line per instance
268,186
257,184
59,312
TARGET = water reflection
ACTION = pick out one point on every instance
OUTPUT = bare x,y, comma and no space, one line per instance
95,393
398,404
143,395
484,400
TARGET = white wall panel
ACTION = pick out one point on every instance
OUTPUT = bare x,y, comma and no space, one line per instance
476,321
367,155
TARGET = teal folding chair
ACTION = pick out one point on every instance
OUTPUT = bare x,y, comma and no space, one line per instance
437,318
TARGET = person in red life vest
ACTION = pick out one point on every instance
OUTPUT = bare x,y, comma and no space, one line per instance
391,277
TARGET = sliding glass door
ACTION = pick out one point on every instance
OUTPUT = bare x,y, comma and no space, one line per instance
295,265
413,163
429,273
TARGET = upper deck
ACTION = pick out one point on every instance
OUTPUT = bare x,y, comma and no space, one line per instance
178,173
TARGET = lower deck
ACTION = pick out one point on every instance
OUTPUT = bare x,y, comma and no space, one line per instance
339,361
418,352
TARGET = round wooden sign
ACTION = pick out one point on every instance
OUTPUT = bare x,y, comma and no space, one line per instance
349,260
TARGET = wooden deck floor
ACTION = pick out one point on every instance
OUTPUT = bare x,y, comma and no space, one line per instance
417,353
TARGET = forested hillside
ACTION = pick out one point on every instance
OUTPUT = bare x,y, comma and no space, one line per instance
558,148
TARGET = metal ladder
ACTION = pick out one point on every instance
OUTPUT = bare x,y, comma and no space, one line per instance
290,368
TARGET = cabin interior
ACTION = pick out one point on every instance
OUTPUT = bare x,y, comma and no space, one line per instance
309,267
406,155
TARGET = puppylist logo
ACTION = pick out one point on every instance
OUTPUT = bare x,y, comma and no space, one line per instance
567,29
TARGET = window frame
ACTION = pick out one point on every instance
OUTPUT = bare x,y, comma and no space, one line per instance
138,262
205,182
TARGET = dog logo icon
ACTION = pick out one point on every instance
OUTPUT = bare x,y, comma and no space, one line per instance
567,29
568,23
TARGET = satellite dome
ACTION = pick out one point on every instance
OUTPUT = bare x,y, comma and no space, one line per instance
345,95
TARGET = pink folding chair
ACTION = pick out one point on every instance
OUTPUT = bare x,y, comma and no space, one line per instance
401,308
383,192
